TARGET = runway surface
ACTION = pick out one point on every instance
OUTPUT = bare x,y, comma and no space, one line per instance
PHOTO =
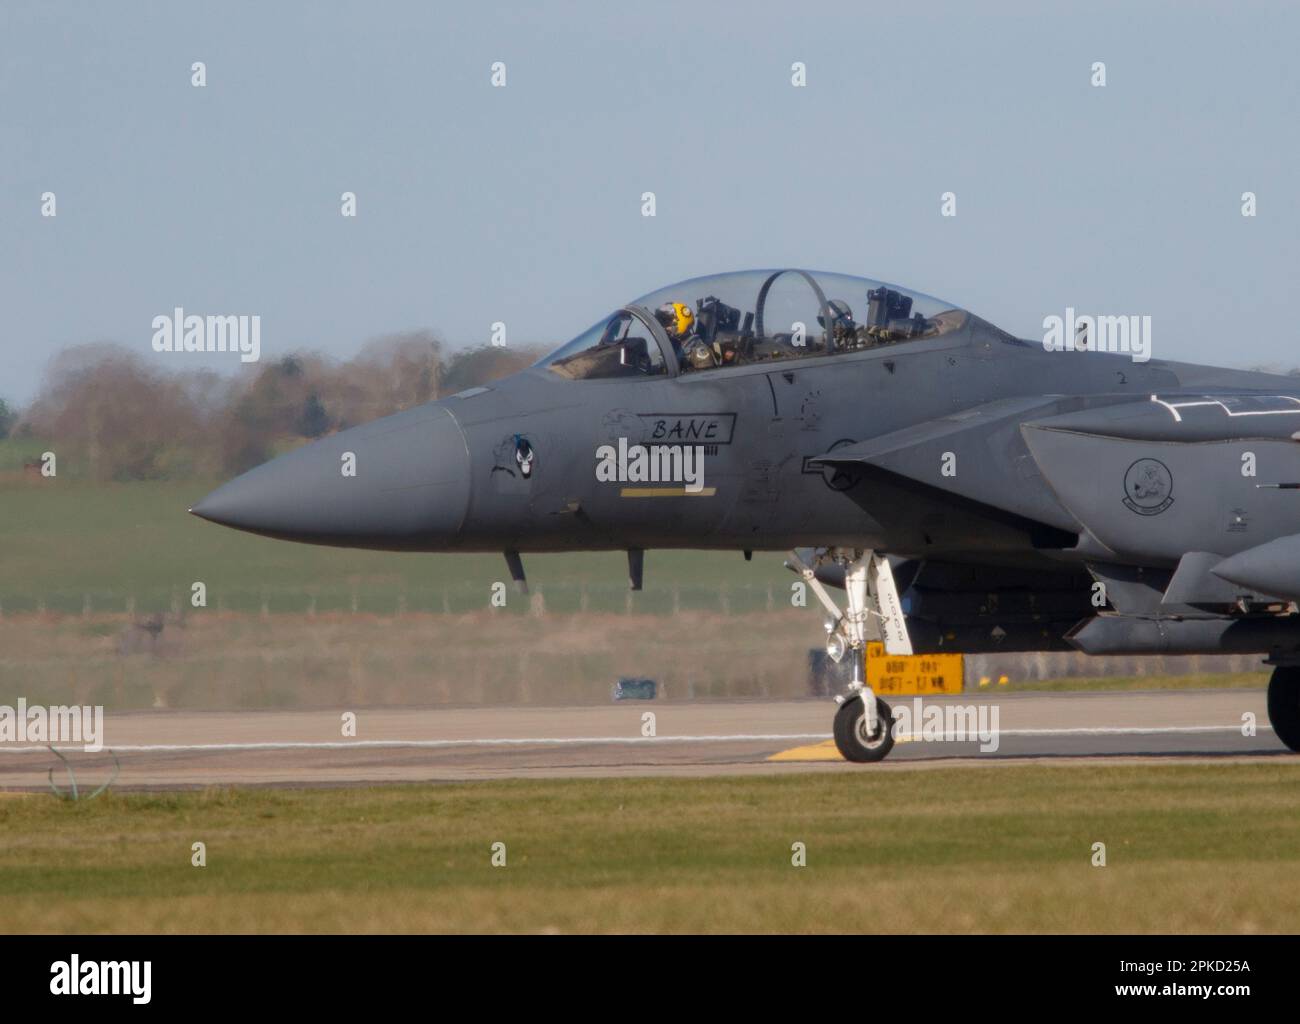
161,749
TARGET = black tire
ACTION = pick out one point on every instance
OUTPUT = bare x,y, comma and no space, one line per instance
1284,705
851,737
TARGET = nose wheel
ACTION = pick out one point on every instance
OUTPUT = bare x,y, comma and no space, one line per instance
1284,704
858,739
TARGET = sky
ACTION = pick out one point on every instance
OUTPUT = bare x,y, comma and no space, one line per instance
522,204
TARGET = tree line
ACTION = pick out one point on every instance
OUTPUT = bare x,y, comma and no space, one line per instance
110,413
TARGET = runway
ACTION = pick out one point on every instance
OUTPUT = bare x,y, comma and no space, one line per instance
181,749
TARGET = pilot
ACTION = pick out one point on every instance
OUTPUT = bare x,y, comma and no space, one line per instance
679,324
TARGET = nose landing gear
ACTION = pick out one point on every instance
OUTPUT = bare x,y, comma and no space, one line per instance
864,722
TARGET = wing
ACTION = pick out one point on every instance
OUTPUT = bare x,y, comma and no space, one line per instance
1185,506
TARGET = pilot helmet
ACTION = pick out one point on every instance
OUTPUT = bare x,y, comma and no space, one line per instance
676,317
840,313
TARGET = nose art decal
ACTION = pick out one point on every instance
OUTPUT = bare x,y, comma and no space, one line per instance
524,455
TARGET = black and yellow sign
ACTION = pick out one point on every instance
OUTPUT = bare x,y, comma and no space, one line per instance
912,674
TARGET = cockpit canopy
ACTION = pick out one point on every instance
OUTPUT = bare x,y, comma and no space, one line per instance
749,317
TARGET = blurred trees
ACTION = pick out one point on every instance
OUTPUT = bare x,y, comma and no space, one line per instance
116,416
8,417
112,414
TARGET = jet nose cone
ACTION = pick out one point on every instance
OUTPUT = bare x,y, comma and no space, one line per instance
400,482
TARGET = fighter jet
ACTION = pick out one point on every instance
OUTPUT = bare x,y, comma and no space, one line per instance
969,491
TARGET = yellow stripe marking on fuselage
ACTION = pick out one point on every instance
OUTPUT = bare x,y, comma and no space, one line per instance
666,492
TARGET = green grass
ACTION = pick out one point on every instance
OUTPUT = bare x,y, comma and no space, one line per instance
1190,848
97,551
15,451
67,542
1192,681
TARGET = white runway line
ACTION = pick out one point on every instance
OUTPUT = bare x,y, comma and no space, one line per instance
535,741
162,748
1116,730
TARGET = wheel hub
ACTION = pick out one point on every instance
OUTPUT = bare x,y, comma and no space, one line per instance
865,736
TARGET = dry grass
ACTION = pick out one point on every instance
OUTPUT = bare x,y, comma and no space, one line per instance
242,661
220,660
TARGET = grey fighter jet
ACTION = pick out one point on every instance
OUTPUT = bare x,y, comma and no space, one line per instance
968,490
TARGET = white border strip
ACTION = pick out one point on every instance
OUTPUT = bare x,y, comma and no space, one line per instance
1174,406
1104,731
546,741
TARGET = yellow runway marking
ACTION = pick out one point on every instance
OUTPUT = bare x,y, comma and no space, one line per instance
823,751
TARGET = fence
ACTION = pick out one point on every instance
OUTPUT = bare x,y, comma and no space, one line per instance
384,599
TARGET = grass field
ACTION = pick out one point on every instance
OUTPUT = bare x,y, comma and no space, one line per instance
67,543
1190,848
291,624
213,660
247,661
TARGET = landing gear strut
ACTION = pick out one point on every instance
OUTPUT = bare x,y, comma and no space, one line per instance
863,723
1284,704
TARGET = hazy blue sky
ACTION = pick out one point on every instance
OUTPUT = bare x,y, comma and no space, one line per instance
522,204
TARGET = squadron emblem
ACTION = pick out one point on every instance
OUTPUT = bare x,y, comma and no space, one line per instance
1148,487
524,455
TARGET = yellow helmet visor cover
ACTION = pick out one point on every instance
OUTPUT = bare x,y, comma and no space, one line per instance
685,318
